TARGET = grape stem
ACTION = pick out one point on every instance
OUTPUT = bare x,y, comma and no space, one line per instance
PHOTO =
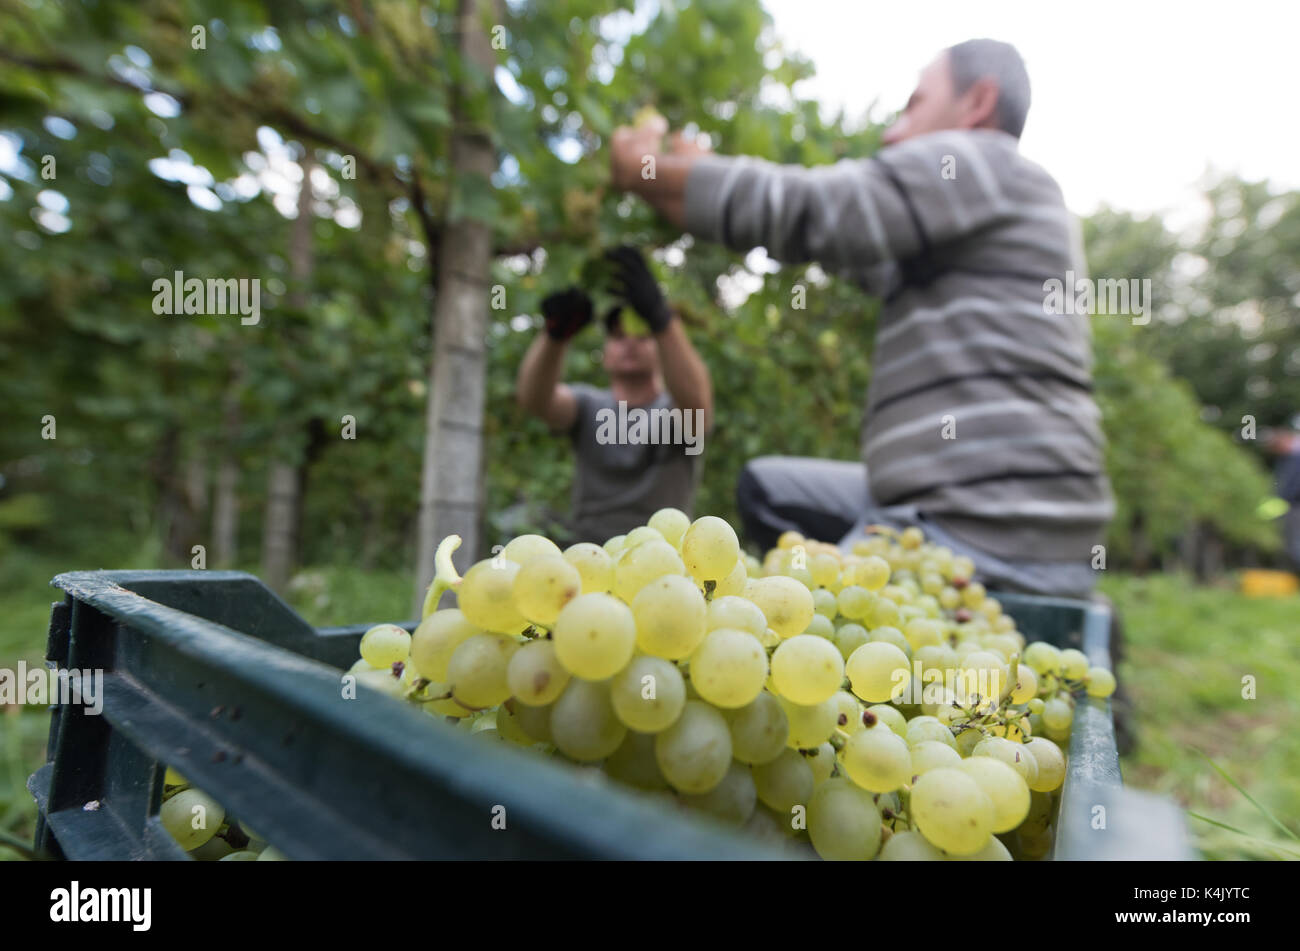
1010,685
445,577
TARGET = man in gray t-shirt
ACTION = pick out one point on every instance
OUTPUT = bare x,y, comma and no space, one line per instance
638,443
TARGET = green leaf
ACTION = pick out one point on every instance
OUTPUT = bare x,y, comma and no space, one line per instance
1245,835
1249,798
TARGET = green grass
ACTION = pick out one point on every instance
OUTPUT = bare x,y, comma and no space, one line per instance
1187,650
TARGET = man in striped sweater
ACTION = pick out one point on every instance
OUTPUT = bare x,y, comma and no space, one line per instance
980,424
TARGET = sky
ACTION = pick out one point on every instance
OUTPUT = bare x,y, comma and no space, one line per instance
1131,101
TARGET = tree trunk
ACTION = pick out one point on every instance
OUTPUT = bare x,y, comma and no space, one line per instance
1141,545
286,479
1189,550
451,491
1212,556
279,534
171,503
225,507
225,513
196,482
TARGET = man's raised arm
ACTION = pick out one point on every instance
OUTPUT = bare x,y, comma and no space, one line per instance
685,375
855,213
538,389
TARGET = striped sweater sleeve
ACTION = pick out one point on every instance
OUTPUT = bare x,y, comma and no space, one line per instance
853,214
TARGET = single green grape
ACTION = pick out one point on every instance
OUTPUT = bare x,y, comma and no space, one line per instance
854,602
1050,764
1016,755
950,809
810,725
807,669
535,675
849,637
759,730
384,645
889,717
634,763
477,670
710,548
735,612
1043,657
644,533
843,822
825,603
1057,714
1101,682
191,817
730,667
1005,787
909,846
639,566
875,669
731,801
821,760
594,565
927,728
583,724
524,548
877,760
931,754
544,586
484,596
786,603
1074,664
671,523
694,753
648,694
437,638
669,615
784,783
821,626
595,635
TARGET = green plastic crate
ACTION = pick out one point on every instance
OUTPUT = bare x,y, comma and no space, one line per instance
211,673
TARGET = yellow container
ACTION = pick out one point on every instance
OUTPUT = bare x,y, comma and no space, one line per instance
1268,584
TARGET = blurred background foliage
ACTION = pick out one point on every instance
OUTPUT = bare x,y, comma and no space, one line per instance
167,158
128,154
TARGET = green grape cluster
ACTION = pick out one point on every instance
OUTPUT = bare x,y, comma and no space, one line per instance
876,703
203,828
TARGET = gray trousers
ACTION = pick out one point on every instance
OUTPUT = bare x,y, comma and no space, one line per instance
829,500
1291,534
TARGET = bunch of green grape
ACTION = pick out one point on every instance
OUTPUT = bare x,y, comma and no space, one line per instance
201,826
874,704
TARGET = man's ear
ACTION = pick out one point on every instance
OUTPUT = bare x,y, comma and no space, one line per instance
981,101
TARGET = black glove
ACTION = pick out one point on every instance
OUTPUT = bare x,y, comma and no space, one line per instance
566,312
633,282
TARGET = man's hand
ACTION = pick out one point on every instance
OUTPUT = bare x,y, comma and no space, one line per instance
628,148
566,312
633,282
678,144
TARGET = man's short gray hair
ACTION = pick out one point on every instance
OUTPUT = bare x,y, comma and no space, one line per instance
991,59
